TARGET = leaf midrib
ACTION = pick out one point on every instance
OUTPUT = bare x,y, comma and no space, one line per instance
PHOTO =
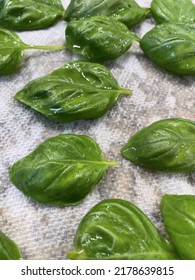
149,253
118,90
74,161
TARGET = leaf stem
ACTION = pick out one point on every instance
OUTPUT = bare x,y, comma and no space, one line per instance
125,91
111,163
49,48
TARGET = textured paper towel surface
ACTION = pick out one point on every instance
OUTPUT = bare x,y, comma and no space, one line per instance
45,232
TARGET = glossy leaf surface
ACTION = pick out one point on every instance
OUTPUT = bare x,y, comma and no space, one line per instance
29,14
126,11
173,11
8,249
79,90
61,171
11,51
98,38
172,47
178,213
116,229
167,145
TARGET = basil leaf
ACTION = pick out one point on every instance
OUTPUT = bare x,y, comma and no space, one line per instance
61,171
117,230
30,14
126,11
173,11
178,213
11,51
98,38
172,47
79,90
167,145
8,249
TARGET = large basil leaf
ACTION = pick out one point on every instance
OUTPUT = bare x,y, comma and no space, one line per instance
98,38
79,90
8,249
61,171
117,229
172,47
179,217
167,145
11,50
29,14
173,11
126,11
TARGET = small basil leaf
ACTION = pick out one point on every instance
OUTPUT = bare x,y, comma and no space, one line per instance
178,213
79,90
172,47
11,51
29,14
167,145
61,171
173,11
117,230
11,48
126,11
8,249
98,38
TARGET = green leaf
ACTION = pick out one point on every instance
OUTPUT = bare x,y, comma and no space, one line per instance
178,213
30,14
167,145
98,38
8,249
172,47
173,11
78,90
117,230
126,11
11,48
11,51
61,171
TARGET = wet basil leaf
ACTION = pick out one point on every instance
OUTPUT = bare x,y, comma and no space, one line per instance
126,11
178,213
79,90
172,47
11,48
8,249
29,14
61,171
98,38
11,51
116,229
167,145
173,11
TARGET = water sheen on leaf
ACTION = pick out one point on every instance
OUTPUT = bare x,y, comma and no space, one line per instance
98,38
11,48
61,171
173,11
172,47
126,11
115,229
78,90
167,145
29,14
8,249
178,213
